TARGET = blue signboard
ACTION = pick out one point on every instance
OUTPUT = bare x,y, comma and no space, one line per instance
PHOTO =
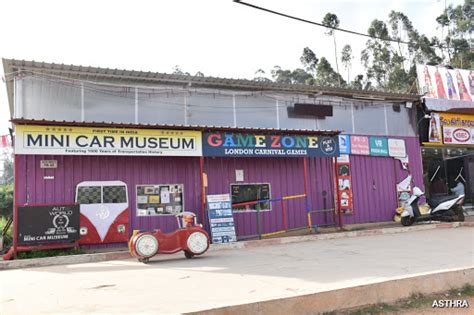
221,219
267,145
378,146
344,144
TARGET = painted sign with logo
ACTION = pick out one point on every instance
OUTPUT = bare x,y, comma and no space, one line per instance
344,184
65,140
265,145
396,148
457,129
48,224
378,146
221,219
360,145
344,144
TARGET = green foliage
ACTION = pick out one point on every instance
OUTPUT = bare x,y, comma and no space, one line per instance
346,59
49,253
331,21
8,240
459,21
7,177
6,200
260,76
326,76
309,60
297,76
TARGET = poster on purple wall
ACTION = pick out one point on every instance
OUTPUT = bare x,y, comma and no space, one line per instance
40,224
268,145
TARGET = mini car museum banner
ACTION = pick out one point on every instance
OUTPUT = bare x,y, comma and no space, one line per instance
48,224
267,145
221,219
65,140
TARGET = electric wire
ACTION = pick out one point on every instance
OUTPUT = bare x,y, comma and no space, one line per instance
325,26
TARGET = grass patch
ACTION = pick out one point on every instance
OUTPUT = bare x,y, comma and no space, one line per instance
415,301
49,253
8,239
3,222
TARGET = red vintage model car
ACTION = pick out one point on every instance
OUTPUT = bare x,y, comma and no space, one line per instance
190,237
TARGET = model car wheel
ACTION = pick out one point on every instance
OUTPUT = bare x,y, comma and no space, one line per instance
188,254
197,243
407,221
146,245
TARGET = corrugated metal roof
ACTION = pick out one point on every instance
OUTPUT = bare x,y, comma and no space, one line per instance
25,121
114,75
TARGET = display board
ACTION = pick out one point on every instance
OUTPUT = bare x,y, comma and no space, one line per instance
251,192
268,145
374,146
160,199
48,224
221,219
344,184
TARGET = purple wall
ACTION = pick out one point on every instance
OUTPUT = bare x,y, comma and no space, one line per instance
131,170
374,180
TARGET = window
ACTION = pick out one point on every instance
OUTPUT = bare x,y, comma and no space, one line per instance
89,194
251,192
160,199
114,194
101,193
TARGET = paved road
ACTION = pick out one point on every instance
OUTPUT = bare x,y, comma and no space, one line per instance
172,284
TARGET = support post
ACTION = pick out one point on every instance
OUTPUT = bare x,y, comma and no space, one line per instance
336,191
203,192
305,178
283,208
15,205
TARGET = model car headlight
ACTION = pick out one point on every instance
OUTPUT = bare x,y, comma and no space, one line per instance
146,245
197,242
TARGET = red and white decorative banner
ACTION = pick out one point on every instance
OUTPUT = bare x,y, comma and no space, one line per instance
344,184
4,143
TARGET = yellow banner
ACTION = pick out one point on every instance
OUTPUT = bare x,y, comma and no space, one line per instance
457,128
66,140
457,120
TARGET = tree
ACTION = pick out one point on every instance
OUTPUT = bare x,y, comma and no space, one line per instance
309,60
177,70
297,76
460,23
376,56
346,59
260,76
325,74
6,200
7,176
331,21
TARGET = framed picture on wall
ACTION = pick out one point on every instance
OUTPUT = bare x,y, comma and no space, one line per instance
167,199
242,193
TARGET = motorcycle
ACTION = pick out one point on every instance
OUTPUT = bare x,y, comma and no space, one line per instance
445,208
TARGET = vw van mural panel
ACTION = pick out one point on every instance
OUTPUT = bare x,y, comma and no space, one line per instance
104,212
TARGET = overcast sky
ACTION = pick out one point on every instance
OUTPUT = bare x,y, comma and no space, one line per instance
217,37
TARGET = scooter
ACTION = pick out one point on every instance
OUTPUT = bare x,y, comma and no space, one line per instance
445,208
